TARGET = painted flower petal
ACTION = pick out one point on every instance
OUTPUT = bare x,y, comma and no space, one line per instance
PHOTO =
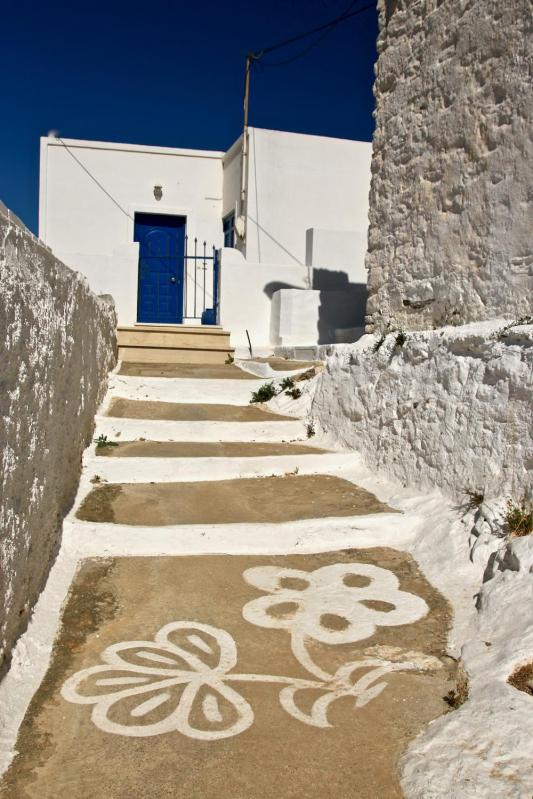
271,578
212,711
147,657
99,683
141,713
276,611
205,647
337,576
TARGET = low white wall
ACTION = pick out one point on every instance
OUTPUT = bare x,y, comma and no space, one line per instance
448,409
294,317
246,291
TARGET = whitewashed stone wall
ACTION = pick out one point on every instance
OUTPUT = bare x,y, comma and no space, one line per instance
450,202
448,409
57,343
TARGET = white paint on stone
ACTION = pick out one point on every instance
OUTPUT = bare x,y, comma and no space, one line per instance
156,430
185,470
56,347
448,408
452,164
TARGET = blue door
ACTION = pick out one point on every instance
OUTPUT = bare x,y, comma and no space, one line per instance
161,249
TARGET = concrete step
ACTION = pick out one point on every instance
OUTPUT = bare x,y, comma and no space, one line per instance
173,344
157,430
186,470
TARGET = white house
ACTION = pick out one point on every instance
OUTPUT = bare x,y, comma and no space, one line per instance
271,245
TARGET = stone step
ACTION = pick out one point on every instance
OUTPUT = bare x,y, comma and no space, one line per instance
205,450
156,430
121,408
155,470
257,499
173,344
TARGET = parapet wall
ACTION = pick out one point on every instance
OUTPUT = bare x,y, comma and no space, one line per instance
57,344
452,165
446,409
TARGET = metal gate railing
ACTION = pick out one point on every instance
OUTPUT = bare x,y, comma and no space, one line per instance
201,285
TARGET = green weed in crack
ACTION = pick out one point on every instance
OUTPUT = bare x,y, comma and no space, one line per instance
502,332
102,441
264,393
295,393
379,343
286,384
401,338
519,518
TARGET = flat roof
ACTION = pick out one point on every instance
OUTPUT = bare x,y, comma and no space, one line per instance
52,141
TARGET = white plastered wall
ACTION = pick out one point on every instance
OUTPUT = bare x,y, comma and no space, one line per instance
89,194
246,291
297,182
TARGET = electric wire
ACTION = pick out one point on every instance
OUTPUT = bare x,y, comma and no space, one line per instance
327,27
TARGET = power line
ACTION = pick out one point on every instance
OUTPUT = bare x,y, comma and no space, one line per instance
103,188
327,27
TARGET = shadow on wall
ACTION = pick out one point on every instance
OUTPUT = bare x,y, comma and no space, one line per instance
277,285
342,305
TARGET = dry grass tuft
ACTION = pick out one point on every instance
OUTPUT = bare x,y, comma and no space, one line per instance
522,678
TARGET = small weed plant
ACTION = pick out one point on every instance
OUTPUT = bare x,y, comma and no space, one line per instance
474,498
524,320
519,518
458,695
295,393
102,441
401,338
286,384
264,393
229,359
310,429
379,343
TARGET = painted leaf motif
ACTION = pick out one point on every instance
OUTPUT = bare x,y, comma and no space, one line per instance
173,684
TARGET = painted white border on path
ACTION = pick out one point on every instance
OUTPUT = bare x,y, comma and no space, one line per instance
186,470
181,390
157,430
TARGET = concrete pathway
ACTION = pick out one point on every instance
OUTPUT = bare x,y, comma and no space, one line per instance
243,620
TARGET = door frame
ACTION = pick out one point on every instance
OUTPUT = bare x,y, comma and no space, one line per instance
165,210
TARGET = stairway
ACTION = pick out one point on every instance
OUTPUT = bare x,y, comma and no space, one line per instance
173,344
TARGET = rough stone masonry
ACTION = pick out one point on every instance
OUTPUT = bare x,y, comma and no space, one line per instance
57,343
451,202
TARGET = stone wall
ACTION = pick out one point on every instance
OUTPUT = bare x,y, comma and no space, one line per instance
447,409
57,343
452,167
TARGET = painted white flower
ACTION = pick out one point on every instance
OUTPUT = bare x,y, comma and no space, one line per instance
336,604
174,683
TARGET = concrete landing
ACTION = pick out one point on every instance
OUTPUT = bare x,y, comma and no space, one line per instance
261,499
236,677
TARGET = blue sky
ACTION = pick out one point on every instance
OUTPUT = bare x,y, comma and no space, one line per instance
170,73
